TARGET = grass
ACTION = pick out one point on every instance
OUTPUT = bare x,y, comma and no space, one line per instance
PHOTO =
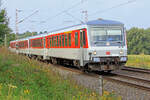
24,79
142,61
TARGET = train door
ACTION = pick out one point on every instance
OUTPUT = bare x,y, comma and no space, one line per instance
81,48
83,45
45,49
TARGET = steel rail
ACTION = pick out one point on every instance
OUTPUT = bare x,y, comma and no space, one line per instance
141,70
132,77
127,83
112,78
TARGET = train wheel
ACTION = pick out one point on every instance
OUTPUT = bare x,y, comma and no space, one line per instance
109,71
85,70
54,61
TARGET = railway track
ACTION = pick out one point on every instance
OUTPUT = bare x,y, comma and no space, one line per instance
133,69
132,81
123,84
128,80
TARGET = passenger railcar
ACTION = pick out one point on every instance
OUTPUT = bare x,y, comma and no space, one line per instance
96,45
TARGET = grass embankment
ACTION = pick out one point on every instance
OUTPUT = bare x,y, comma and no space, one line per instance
25,79
141,61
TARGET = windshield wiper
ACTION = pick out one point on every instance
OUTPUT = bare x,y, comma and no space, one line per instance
117,42
99,42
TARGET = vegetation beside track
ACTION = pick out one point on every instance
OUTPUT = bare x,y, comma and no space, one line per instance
140,61
24,79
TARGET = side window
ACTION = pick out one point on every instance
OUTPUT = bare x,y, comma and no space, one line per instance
84,39
57,42
52,41
63,40
60,40
81,39
69,39
76,38
41,42
66,38
37,43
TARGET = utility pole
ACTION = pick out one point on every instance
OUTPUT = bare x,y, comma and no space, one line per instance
84,12
16,23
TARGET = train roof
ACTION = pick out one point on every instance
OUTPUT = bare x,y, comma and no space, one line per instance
104,22
98,22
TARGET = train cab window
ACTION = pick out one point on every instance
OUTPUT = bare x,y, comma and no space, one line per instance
60,40
66,38
76,38
69,39
63,40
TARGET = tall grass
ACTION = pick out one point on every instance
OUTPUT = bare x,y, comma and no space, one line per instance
142,61
24,79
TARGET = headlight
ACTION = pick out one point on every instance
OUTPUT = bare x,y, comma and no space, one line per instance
94,52
123,59
121,52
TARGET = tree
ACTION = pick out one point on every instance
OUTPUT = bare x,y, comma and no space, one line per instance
138,41
27,34
4,29
41,32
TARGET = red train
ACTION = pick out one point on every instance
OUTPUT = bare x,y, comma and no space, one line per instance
95,45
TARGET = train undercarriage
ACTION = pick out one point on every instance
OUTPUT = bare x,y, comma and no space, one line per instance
105,65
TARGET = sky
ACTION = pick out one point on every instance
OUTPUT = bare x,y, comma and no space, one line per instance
55,14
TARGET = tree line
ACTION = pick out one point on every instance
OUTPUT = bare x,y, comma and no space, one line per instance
138,39
4,29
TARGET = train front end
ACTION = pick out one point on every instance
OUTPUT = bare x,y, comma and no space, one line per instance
108,47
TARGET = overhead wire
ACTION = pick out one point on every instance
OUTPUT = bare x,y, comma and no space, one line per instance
77,4
28,16
63,11
116,6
